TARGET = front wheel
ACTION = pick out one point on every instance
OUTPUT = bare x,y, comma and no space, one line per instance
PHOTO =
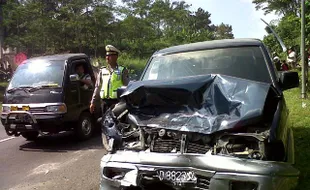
85,127
30,136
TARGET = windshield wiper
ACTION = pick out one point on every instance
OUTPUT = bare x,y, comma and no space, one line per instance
31,88
24,88
34,88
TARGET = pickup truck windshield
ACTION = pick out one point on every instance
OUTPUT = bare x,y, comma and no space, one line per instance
38,73
242,62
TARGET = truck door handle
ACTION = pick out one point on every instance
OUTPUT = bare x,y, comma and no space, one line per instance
73,90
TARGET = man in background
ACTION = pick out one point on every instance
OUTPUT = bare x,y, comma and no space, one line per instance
292,58
85,79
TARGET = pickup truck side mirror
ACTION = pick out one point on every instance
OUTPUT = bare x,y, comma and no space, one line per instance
74,77
120,91
288,80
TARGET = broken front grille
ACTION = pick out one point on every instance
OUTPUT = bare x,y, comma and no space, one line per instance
37,110
172,145
165,145
203,182
197,148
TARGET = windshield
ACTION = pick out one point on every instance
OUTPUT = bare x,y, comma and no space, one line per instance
241,62
38,73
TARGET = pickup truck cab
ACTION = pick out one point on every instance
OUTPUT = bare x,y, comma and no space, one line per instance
46,96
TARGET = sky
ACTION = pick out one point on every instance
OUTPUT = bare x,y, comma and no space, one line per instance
241,14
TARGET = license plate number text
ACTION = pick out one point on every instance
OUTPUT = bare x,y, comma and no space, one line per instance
177,177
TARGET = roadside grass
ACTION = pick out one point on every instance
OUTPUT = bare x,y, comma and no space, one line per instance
4,84
300,117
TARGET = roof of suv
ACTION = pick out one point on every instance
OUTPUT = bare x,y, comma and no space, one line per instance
211,45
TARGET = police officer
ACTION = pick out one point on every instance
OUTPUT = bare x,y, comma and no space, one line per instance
109,78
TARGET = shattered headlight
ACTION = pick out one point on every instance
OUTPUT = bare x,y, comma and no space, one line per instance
124,172
115,173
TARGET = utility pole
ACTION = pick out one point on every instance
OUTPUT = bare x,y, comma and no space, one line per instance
302,50
2,2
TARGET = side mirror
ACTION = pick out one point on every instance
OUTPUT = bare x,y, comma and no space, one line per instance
288,80
120,91
74,77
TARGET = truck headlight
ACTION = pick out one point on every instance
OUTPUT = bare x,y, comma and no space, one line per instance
57,109
5,109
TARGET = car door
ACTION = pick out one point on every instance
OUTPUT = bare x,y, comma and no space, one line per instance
87,93
72,92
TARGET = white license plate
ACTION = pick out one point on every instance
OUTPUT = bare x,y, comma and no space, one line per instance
177,177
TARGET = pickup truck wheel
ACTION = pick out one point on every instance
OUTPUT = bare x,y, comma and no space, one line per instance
30,136
85,127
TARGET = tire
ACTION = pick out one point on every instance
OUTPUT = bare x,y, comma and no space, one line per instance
30,136
85,126
105,142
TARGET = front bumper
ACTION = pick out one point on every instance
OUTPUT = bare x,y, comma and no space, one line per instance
213,172
37,122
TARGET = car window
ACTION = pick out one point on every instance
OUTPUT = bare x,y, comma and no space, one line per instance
75,63
241,62
36,73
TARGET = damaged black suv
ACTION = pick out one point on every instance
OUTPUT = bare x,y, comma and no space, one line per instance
207,115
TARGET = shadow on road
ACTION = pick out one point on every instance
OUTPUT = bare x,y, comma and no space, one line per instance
63,142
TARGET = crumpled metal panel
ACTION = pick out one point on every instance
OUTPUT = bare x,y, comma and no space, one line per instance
203,104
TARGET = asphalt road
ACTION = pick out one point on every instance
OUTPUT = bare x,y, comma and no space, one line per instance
54,162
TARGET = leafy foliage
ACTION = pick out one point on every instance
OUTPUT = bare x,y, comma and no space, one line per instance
137,27
282,7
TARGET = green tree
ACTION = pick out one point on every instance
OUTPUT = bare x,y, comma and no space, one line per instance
282,7
223,31
138,27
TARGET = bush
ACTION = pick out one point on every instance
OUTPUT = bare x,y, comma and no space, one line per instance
134,65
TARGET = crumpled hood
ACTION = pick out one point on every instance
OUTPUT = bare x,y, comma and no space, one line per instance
203,104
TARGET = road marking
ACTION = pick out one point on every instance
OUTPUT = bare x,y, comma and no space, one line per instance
46,168
7,139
